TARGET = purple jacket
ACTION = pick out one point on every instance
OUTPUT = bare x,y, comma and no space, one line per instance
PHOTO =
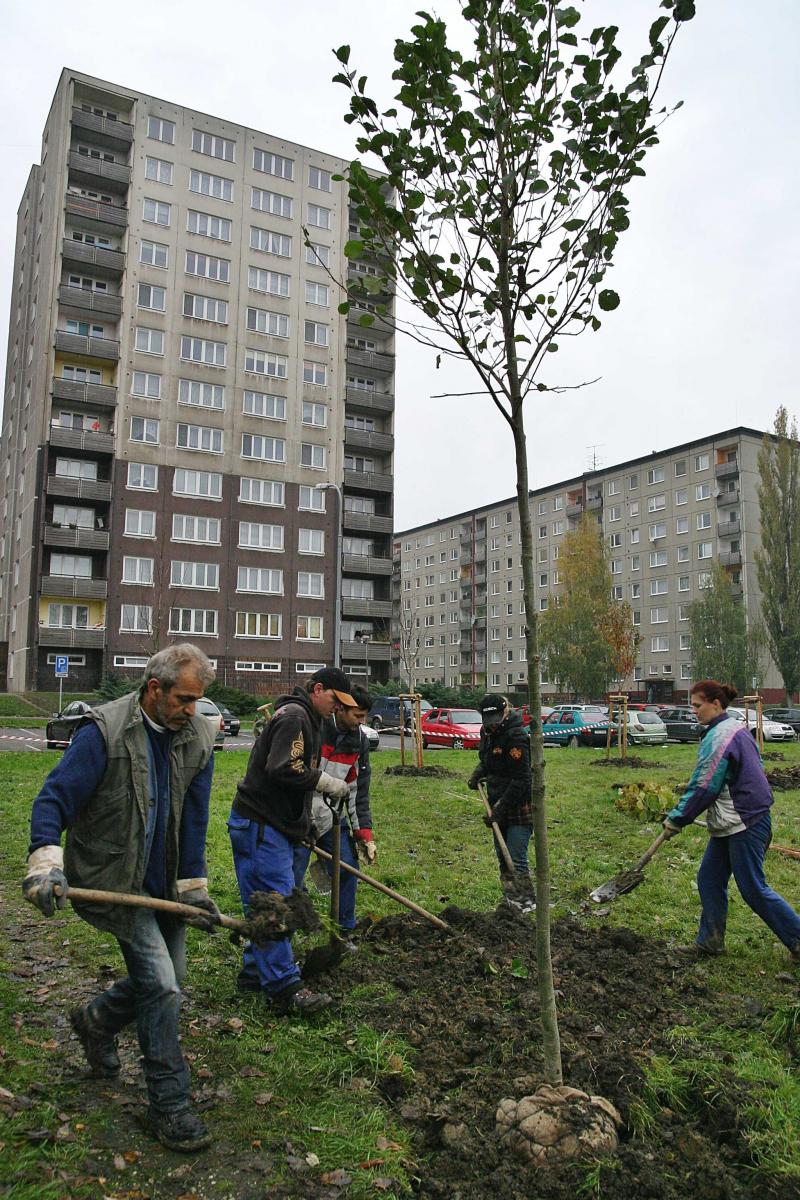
728,783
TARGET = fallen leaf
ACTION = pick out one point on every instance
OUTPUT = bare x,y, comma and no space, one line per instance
252,1073
384,1185
263,1098
312,1159
5,1094
131,1156
395,1062
338,1178
383,1143
203,1073
371,1162
235,1023
256,1143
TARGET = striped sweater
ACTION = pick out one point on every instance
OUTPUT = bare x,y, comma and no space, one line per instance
345,755
728,783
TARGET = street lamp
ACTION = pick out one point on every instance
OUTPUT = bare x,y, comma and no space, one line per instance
337,616
363,636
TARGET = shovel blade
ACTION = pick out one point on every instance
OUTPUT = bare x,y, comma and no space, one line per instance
619,886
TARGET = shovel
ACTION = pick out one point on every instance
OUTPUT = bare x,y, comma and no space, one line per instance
626,881
513,879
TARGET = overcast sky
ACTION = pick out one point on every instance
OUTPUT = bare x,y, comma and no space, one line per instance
708,272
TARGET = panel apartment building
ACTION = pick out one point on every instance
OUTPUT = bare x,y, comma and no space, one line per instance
665,518
195,443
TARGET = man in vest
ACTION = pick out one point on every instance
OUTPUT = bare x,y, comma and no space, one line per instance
132,791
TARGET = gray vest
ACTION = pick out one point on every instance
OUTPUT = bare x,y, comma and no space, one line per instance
105,848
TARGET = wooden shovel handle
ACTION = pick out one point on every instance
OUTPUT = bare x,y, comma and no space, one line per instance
93,896
650,851
501,841
387,891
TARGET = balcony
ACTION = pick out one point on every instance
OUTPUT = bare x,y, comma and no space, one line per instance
737,591
104,262
84,301
593,503
359,439
731,558
81,439
366,522
368,481
373,360
82,639
366,564
724,499
369,400
91,347
76,586
76,538
116,134
576,509
106,218
80,489
96,173
366,608
95,394
729,528
727,470
358,651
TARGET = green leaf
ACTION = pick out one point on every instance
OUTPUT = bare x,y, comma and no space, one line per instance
656,29
539,185
344,308
684,10
343,54
354,248
608,300
567,18
518,969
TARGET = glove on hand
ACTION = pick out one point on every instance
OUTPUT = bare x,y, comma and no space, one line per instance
473,781
365,846
337,789
671,830
208,915
495,816
45,874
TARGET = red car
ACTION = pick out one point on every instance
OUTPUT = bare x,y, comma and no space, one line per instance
457,728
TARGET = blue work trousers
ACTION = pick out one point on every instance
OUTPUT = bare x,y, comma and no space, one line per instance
742,855
516,838
264,862
348,883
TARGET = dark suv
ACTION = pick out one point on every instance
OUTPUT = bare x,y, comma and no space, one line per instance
385,713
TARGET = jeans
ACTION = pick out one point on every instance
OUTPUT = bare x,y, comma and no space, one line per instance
348,883
150,995
742,855
516,838
264,862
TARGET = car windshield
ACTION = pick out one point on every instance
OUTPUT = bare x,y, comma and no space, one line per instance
465,716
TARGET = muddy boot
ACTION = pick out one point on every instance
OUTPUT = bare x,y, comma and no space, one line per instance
526,893
99,1046
300,1001
178,1130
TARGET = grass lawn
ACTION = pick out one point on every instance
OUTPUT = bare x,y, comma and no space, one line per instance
313,1086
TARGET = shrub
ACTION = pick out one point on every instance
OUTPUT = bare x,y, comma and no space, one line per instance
647,801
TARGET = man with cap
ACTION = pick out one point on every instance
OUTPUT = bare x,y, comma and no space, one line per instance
271,814
504,765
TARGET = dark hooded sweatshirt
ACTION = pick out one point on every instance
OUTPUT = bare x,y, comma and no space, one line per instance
505,763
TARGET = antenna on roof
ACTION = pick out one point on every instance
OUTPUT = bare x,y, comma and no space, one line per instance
595,460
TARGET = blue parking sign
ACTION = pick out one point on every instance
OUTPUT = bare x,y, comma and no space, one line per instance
62,666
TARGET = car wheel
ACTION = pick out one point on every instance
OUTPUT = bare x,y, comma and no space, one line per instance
376,723
458,743
572,742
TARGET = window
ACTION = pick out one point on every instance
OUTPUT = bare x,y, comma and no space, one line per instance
704,579
317,255
558,504
702,491
71,564
208,266
259,666
137,570
658,530
148,296
258,625
317,293
704,520
659,645
197,483
309,629
614,540
271,202
315,414
311,541
315,333
680,468
260,579
216,147
685,642
701,462
68,616
319,179
316,373
158,169
267,449
705,549
261,362
658,558
364,589
261,320
275,283
558,528
312,456
261,491
273,164
312,499
264,404
682,525
682,496
636,591
161,130
658,616
612,489
202,350
149,341
636,618
201,395
683,554
633,481
194,575
615,566
86,328
254,536
198,621
686,670
206,225
683,611
201,530
155,212
683,583
319,217
656,503
634,537
144,383
211,185
153,254
198,437
636,562
204,308
140,522
655,475
136,618
142,476
269,242
145,429
659,587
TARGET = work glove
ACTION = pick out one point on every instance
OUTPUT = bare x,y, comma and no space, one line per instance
671,830
195,892
337,789
473,781
496,816
45,874
365,846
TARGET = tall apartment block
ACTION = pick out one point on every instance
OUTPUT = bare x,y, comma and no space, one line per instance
195,444
666,519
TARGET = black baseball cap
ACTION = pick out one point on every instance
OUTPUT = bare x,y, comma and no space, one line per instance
335,680
493,709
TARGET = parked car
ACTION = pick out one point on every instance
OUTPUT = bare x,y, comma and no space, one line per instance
458,728
682,724
373,737
61,726
785,716
232,722
646,729
773,730
601,708
208,709
577,727
524,712
385,712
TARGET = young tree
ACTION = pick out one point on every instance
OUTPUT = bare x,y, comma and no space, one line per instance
778,559
722,646
498,216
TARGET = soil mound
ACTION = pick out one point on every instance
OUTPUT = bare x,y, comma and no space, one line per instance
417,772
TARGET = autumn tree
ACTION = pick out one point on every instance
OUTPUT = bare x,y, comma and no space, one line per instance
778,558
499,208
722,645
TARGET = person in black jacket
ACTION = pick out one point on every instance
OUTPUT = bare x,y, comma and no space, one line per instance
504,764
272,813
